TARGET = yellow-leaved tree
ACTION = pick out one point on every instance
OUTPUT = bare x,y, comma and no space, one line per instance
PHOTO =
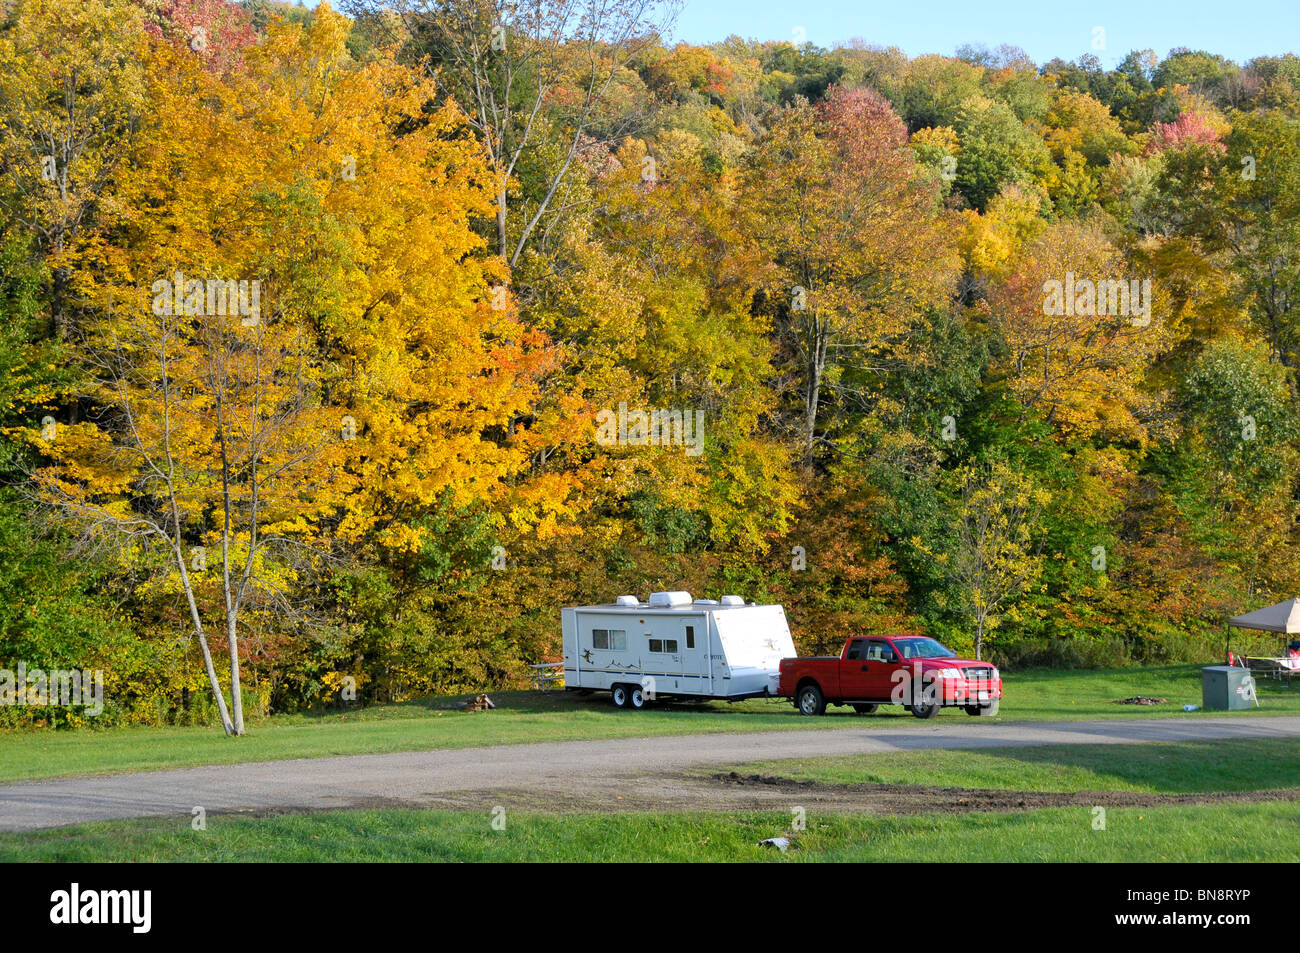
72,91
299,348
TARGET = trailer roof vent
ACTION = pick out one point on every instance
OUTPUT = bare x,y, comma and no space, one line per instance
706,602
733,600
630,601
669,600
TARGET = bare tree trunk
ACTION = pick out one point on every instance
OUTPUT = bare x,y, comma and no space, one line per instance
226,723
232,641
812,389
501,222
236,690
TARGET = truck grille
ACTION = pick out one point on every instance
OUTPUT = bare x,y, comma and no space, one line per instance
977,674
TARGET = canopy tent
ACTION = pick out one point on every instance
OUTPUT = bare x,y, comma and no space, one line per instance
1283,618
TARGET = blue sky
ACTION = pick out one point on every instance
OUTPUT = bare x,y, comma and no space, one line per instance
1237,30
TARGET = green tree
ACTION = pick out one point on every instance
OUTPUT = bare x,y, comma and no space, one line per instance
996,150
993,557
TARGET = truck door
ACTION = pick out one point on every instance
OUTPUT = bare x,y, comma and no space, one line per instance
881,663
855,672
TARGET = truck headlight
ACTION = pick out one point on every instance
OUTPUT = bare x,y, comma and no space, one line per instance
950,673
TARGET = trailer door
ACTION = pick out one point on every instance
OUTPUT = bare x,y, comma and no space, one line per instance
695,655
663,658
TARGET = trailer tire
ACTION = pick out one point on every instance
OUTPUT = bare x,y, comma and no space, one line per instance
925,711
983,711
636,699
865,709
619,695
810,700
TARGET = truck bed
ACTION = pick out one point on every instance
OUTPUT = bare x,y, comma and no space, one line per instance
824,668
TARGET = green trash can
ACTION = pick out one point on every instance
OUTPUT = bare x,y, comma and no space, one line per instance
1227,688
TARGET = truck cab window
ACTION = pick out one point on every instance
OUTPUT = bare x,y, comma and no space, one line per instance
881,652
855,650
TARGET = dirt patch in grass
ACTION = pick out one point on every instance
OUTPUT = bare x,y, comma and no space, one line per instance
733,792
917,799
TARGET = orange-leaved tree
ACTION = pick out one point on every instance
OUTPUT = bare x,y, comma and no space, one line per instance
1082,328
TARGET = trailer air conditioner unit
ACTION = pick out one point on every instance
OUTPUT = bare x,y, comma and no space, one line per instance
669,600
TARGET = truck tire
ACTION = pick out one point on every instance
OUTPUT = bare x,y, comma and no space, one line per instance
636,699
983,711
925,711
811,701
619,694
865,709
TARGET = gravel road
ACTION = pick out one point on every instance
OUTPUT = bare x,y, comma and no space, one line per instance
643,772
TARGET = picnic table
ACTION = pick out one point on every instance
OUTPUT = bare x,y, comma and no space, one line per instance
546,676
1282,669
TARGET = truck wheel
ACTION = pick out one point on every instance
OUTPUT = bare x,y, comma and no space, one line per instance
619,694
925,711
636,697
811,701
865,709
985,711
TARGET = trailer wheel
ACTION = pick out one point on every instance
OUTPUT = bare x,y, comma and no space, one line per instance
811,700
985,711
636,697
925,711
619,694
865,709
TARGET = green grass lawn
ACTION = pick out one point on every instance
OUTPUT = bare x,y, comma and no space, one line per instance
1242,832
523,717
1190,767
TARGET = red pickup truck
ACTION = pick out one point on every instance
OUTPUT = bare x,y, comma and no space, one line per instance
909,670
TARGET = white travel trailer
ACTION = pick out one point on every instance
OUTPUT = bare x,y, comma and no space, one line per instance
675,646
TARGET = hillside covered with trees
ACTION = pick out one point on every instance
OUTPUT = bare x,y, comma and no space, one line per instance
331,341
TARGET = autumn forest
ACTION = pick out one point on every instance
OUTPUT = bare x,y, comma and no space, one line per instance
344,347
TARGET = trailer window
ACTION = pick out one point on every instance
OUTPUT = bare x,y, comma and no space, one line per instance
663,645
690,636
615,639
